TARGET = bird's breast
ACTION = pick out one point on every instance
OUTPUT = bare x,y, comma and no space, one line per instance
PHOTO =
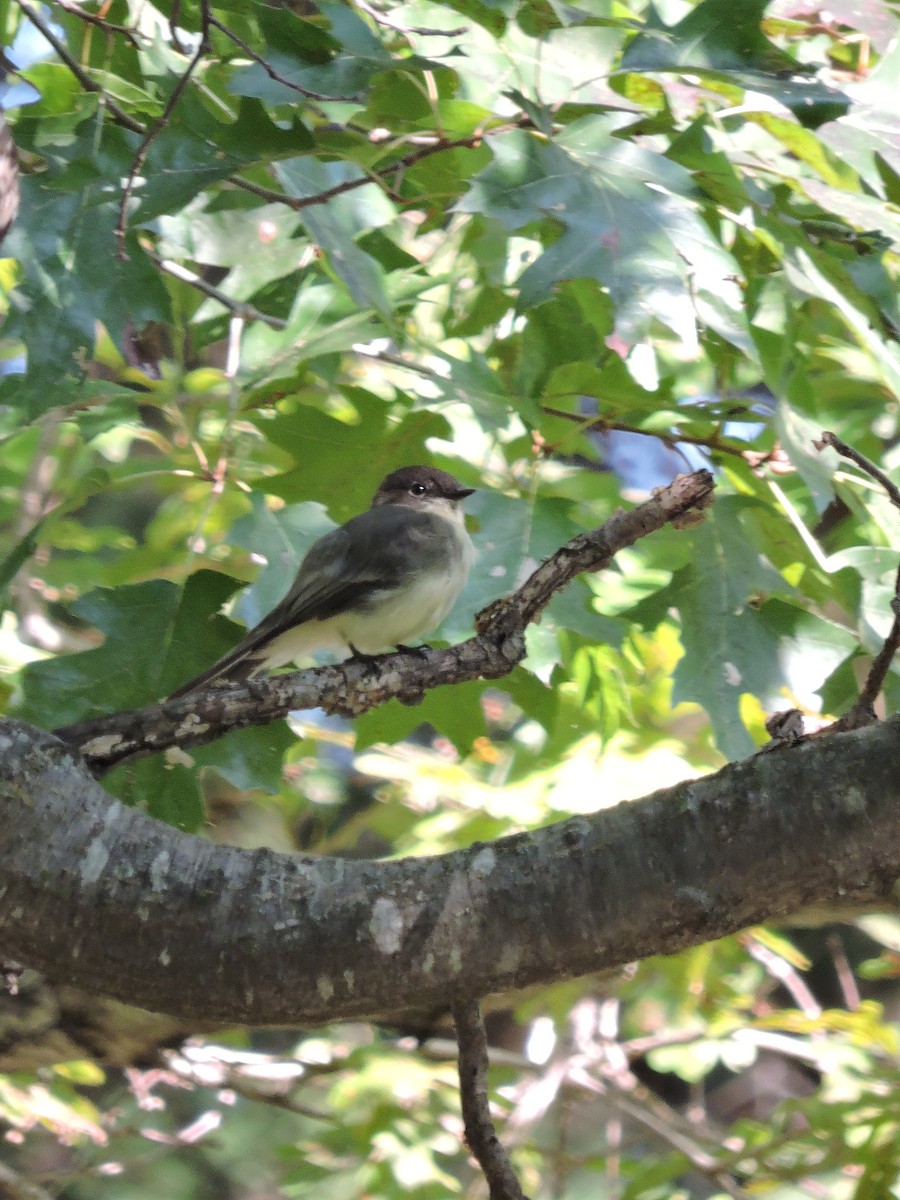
415,607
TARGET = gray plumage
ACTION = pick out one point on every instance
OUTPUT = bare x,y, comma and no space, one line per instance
387,575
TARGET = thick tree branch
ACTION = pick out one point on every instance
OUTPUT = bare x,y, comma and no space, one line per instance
354,687
102,897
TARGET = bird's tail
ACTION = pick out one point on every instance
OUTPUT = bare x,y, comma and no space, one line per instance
234,667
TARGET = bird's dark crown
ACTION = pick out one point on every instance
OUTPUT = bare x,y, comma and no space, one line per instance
419,482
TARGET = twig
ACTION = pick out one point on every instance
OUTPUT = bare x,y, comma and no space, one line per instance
159,125
603,425
218,474
17,1187
377,177
352,688
775,966
466,143
92,19
864,464
396,360
245,311
32,15
863,711
174,17
36,495
11,971
481,1137
639,1047
297,202
844,971
269,69
380,19
646,1109
9,179
248,1077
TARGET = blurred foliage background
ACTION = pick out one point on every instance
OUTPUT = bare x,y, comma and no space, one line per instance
266,253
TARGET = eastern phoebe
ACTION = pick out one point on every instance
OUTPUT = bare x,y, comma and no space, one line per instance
388,575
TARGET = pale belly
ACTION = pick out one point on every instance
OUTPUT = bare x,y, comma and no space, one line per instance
398,618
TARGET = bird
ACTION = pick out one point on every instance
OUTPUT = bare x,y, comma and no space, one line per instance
385,577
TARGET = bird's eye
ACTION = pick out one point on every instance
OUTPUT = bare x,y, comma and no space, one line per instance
418,489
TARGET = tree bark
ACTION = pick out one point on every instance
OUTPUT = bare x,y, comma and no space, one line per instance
352,688
104,898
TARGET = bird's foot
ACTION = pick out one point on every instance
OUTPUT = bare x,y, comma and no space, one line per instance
420,650
368,661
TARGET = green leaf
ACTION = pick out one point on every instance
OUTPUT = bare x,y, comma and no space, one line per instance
73,279
156,636
871,129
454,712
729,650
329,451
336,226
811,648
281,538
167,791
299,61
814,275
251,758
715,33
626,223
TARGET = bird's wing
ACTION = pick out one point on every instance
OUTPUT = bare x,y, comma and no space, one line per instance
346,568
343,570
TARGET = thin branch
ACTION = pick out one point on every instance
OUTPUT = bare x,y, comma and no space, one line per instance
256,189
251,1075
377,177
17,1187
269,69
156,129
639,1047
380,19
397,360
648,1110
237,307
92,19
864,464
481,1137
352,688
442,144
844,972
10,973
32,15
602,425
298,202
779,969
174,17
218,474
863,711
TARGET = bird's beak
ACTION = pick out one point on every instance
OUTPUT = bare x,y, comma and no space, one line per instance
461,493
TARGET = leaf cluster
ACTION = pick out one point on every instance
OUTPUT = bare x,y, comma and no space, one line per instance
266,254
